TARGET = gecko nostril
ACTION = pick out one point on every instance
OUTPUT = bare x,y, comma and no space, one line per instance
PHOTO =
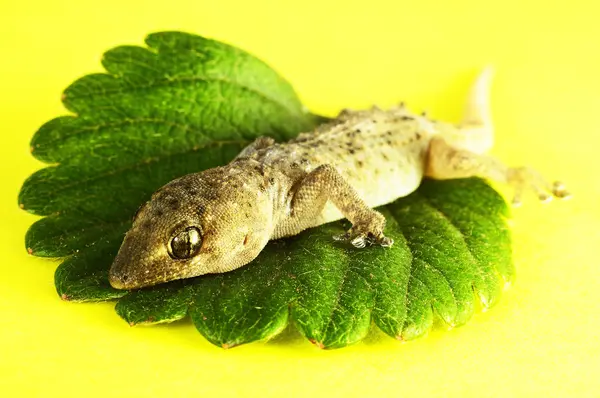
116,281
124,278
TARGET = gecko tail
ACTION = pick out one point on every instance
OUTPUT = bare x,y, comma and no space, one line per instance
477,122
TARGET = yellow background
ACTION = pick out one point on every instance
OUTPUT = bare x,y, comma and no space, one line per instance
543,336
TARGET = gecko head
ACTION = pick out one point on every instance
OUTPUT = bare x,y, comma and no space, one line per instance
198,224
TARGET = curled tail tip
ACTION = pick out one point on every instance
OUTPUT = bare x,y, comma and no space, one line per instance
477,114
477,110
487,73
483,82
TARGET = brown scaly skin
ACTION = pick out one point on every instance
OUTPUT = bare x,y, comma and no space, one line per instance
220,219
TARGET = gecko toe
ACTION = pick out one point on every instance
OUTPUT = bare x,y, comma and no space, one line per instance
560,191
341,237
544,197
386,242
527,179
517,202
359,241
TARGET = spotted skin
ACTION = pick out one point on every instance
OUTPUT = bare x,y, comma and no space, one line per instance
343,169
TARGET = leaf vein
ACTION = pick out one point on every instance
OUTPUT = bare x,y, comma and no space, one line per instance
133,166
166,82
128,121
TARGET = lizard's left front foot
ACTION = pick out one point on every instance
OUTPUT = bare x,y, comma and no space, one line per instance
368,231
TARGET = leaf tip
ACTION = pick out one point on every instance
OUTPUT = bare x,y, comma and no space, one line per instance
317,343
65,297
131,323
29,250
227,346
486,302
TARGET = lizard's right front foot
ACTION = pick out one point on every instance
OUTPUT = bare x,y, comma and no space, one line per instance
525,178
367,232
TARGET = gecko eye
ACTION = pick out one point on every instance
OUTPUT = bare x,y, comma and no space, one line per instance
185,244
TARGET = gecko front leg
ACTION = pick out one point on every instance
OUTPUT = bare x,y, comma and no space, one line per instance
325,183
445,162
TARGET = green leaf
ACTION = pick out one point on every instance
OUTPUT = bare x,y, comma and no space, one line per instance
181,105
186,103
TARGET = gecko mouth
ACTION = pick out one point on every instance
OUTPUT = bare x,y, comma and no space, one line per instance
118,282
127,274
127,281
120,278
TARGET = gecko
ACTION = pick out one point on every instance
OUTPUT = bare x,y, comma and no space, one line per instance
220,219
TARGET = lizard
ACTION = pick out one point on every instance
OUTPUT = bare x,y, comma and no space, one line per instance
220,219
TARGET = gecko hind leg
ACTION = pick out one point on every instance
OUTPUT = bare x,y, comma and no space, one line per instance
522,178
323,184
446,162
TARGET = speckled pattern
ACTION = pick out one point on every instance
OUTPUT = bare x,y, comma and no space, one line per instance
360,160
388,147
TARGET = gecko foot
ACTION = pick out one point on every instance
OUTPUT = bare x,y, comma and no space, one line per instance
362,240
525,178
367,233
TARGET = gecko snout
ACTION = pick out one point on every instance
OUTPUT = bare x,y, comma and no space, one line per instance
126,276
118,282
118,277
131,267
